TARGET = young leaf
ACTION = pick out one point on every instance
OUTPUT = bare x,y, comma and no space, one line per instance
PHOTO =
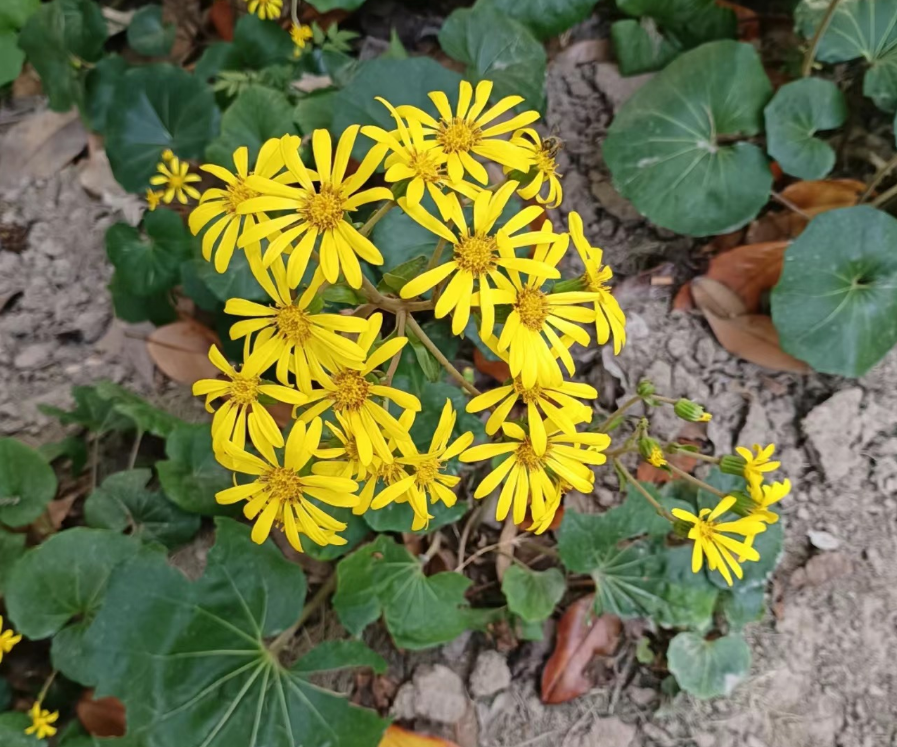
835,306
544,18
27,483
796,113
191,475
532,595
196,652
395,279
148,34
664,151
145,416
123,504
428,364
708,669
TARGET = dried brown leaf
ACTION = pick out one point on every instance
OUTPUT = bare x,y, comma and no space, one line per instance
101,718
181,351
40,146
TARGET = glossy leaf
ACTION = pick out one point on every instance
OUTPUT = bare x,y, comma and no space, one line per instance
148,34
835,305
640,47
191,475
544,18
796,113
688,23
708,669
27,483
15,13
99,88
663,147
533,595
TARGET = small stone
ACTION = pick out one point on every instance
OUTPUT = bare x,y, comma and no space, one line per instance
403,704
833,428
92,324
490,675
823,540
616,87
704,739
34,356
822,568
607,732
658,735
642,696
439,694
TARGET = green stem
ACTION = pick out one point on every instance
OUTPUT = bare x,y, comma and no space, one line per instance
699,456
321,596
401,317
810,56
877,179
366,229
294,12
43,691
641,489
619,411
694,480
437,354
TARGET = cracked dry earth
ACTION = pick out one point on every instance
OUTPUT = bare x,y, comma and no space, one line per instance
823,673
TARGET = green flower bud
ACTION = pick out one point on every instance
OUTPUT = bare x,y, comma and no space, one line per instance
732,464
744,504
651,451
681,528
691,411
570,286
645,388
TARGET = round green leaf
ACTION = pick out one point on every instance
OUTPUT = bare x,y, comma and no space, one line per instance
640,47
157,107
533,595
99,86
257,44
687,22
11,57
12,547
796,113
835,305
544,18
148,34
191,475
12,731
708,669
494,46
743,606
14,13
256,115
324,6
27,483
663,147
398,517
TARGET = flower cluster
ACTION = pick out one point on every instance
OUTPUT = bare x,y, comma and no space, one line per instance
496,266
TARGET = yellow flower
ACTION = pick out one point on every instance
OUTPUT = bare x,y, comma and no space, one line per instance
528,470
765,496
418,160
479,254
656,457
283,494
318,211
167,155
8,639
300,35
542,163
266,9
153,198
609,318
242,408
342,460
398,487
537,331
307,344
218,207
552,504
350,393
176,179
42,722
465,132
711,538
757,463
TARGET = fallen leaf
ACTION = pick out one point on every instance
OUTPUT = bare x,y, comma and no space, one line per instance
309,82
498,370
40,146
181,351
117,20
59,509
101,718
581,637
221,14
396,736
748,20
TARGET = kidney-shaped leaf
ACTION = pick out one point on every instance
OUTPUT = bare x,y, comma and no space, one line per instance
27,483
545,18
189,660
835,306
154,108
664,146
708,669
191,475
12,731
796,113
148,34
532,595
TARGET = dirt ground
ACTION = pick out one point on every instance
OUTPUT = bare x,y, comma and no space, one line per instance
823,670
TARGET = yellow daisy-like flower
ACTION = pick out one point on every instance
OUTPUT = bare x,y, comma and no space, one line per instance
167,155
320,210
218,207
301,34
153,198
342,460
8,639
765,496
480,252
242,409
757,463
656,457
175,178
609,318
542,166
419,161
42,721
351,394
307,344
537,330
397,487
282,494
711,538
466,132
266,9
528,471
552,504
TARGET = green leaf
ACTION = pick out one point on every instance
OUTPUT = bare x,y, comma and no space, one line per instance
12,547
258,44
431,368
157,308
743,605
533,595
356,601
152,265
92,412
145,416
403,239
331,655
689,598
835,304
71,447
123,504
99,87
708,669
64,581
688,23
398,517
207,668
191,475
796,113
663,148
756,573
27,483
154,108
315,111
432,398
237,282
324,6
213,59
11,57
396,278
5,695
496,47
148,34
401,82
258,114
544,18
15,13
55,34
12,731
640,47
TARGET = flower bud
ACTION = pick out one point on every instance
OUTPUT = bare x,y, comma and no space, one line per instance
570,285
732,464
651,451
681,528
645,388
744,505
690,411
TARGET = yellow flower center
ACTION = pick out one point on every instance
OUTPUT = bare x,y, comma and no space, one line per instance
244,390
237,193
425,165
597,277
458,136
656,457
351,390
391,473
324,210
532,306
427,472
284,485
529,395
176,181
527,457
294,324
351,450
545,162
476,253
